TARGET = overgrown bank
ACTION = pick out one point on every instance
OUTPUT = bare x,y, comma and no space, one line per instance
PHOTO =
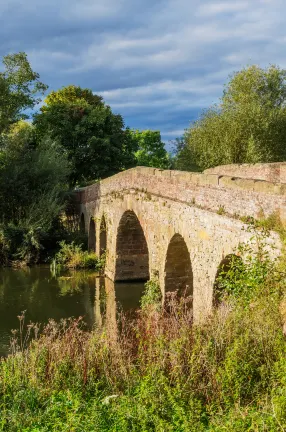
158,372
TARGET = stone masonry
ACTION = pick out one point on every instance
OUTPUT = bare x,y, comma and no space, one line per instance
178,226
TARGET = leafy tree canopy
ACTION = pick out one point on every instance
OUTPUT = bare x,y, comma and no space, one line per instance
150,149
73,95
247,126
87,131
32,180
20,89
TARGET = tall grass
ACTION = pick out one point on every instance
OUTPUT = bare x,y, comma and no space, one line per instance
157,372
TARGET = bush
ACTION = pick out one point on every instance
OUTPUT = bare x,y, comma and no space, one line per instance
152,296
20,244
73,256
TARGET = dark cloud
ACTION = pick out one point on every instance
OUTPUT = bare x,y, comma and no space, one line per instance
158,63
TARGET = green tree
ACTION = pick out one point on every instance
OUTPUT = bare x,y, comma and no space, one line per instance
150,149
87,131
247,126
20,89
33,181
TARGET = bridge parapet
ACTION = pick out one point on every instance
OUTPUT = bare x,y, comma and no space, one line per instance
229,194
272,172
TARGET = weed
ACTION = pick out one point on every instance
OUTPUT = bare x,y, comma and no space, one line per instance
221,210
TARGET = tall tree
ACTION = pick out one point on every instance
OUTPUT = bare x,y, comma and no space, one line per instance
87,131
247,126
150,150
20,89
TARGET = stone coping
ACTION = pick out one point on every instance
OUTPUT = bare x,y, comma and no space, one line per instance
197,179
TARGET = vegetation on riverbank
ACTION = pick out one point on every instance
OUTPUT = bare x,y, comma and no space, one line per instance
158,372
72,256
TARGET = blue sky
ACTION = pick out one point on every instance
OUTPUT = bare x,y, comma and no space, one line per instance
156,62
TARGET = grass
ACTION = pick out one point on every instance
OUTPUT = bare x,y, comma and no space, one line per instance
158,372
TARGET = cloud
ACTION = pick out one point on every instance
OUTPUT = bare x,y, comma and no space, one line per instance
210,9
157,63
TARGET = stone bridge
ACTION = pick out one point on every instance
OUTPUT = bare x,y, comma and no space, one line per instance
179,227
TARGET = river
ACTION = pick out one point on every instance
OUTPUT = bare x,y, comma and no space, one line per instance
44,295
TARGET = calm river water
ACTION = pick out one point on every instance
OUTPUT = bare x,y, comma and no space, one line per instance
44,295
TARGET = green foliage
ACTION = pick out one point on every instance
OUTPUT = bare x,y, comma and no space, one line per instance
244,276
19,89
248,125
33,180
183,159
150,150
159,373
23,244
87,132
152,296
73,256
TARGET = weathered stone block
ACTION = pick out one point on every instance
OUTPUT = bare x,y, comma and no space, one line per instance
208,180
264,187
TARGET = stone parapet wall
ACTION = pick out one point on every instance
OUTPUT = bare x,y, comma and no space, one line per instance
272,172
211,191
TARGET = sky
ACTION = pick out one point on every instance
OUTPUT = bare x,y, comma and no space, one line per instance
159,63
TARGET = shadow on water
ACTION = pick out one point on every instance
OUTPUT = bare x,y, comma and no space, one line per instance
71,294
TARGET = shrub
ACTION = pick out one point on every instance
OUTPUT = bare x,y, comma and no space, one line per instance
152,296
72,256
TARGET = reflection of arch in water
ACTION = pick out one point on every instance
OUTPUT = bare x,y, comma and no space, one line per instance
178,268
102,237
113,299
98,312
91,235
132,256
82,223
224,271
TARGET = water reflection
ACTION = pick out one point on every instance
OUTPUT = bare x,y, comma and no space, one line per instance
44,295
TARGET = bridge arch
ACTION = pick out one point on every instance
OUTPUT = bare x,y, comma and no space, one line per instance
224,271
178,267
91,235
102,236
82,223
132,254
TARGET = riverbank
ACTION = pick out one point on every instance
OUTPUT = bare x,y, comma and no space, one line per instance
157,371
159,375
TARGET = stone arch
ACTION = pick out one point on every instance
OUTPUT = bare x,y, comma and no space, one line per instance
178,267
224,271
91,235
82,223
132,255
102,237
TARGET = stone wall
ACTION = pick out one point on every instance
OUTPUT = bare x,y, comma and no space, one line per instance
219,193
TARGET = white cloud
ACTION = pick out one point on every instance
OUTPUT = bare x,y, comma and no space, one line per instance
152,61
210,9
91,9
